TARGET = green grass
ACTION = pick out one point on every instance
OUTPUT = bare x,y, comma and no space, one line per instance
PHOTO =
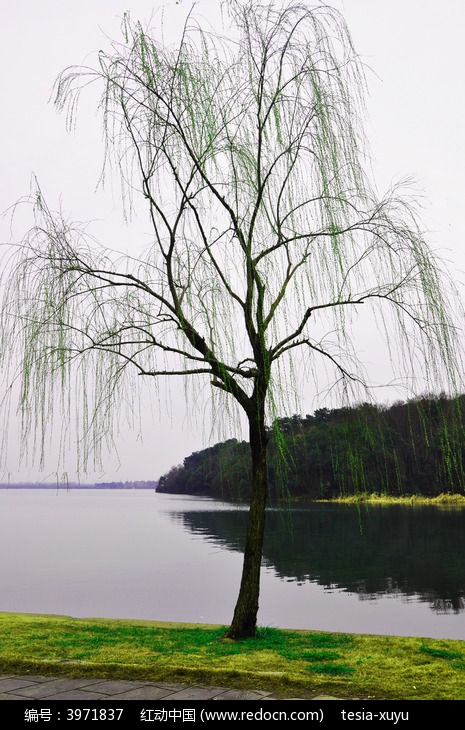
287,662
441,500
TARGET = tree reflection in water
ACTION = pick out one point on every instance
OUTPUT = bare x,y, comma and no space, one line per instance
414,553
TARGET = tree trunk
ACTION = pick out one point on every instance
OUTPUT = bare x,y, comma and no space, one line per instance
245,613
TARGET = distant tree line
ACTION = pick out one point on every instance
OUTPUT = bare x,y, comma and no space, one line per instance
78,485
414,447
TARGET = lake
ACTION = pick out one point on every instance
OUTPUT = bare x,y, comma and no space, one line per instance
137,554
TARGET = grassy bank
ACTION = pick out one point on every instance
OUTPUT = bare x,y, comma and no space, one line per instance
441,500
289,663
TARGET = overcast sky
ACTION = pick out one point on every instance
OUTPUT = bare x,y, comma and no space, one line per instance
415,125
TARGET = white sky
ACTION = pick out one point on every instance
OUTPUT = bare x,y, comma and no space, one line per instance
415,127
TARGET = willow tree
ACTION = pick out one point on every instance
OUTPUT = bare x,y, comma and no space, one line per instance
250,155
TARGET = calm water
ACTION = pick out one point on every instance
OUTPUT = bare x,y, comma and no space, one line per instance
137,554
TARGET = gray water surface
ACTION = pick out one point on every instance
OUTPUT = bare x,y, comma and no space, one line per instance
138,554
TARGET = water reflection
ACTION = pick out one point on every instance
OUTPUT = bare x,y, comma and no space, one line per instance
378,550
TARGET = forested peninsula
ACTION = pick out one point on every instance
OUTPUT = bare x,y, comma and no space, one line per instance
415,447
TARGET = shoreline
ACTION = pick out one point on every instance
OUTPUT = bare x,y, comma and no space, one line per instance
444,499
441,500
286,662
